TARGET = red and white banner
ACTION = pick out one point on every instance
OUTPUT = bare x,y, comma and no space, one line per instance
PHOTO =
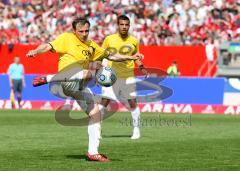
148,107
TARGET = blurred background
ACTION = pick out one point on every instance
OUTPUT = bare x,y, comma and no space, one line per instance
199,37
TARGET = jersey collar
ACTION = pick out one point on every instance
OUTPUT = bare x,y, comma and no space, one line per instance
121,36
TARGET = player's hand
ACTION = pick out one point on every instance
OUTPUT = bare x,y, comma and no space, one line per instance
138,56
147,75
31,53
145,72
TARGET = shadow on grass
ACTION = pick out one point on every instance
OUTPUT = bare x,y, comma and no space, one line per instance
77,156
116,136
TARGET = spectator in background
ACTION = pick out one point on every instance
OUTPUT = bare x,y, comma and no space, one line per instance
173,70
16,79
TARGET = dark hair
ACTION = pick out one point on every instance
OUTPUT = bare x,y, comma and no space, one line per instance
82,21
122,17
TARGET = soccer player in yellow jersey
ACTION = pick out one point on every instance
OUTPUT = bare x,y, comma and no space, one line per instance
75,49
123,43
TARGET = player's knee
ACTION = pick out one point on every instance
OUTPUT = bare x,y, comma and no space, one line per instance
87,74
95,115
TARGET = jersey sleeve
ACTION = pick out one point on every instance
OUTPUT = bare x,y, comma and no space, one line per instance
59,44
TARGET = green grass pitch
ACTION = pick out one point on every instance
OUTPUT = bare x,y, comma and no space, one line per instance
33,140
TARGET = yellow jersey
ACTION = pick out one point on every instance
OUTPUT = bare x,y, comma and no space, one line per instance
127,46
73,51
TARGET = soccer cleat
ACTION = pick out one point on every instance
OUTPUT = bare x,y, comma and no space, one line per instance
97,157
136,133
38,81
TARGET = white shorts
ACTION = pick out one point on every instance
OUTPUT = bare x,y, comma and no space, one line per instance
122,89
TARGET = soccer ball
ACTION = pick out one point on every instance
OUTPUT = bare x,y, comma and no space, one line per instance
106,76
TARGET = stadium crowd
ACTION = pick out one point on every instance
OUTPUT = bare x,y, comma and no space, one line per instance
154,22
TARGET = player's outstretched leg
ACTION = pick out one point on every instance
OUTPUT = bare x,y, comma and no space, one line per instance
63,77
41,80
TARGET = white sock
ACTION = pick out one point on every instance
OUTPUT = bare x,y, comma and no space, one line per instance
136,117
49,78
93,136
102,110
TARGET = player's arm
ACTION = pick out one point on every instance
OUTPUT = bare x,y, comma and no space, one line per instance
38,81
100,53
10,81
140,63
40,49
118,57
58,45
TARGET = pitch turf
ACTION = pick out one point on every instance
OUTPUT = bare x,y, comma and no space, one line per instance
33,140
